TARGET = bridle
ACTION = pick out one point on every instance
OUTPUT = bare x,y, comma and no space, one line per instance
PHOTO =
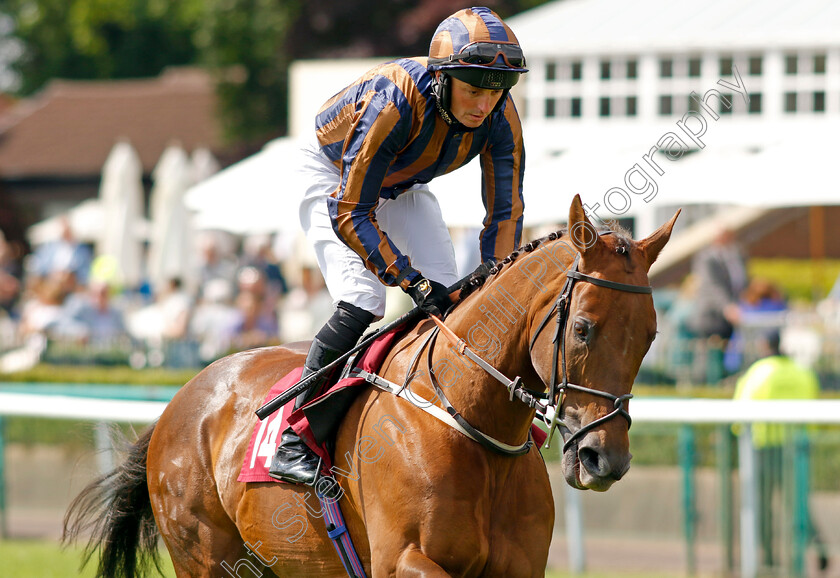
548,410
555,391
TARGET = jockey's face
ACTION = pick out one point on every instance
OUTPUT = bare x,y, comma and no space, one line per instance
470,105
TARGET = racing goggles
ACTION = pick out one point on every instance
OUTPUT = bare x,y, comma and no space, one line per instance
487,53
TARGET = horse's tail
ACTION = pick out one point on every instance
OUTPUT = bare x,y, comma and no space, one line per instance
115,511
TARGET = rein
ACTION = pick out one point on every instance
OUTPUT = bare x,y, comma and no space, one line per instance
549,411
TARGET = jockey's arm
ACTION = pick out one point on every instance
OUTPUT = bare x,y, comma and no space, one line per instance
368,152
503,168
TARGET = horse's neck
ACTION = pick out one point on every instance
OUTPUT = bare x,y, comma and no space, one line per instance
494,324
495,320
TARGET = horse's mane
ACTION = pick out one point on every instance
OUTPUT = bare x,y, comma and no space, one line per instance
484,271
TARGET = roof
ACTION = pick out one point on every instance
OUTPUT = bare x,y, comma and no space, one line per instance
69,128
604,26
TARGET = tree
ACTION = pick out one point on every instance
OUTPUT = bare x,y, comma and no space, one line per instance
340,28
244,41
247,43
100,39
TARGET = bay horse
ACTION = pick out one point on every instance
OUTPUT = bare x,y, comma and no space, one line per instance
419,498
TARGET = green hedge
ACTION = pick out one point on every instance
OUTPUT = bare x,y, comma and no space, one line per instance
118,374
801,280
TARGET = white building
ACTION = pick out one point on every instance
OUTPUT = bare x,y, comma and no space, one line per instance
606,108
610,80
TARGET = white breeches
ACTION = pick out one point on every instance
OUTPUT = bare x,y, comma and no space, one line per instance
413,221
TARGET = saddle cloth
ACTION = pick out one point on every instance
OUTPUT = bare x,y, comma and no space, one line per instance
314,421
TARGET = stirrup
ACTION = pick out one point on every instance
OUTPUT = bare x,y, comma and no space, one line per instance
317,473
279,476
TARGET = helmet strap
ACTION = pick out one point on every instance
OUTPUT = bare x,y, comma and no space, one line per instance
442,88
502,100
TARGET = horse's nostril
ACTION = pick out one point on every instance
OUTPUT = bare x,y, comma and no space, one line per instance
594,463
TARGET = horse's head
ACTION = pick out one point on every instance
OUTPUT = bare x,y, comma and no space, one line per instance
606,313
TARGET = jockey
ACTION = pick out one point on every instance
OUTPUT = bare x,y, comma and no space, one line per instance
368,211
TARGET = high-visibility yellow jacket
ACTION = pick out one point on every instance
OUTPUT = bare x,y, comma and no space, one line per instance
775,377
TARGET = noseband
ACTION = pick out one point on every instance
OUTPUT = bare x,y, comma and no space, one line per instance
555,391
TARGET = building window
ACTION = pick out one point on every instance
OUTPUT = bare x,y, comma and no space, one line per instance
755,66
726,104
666,104
604,106
630,106
791,64
632,69
606,70
551,71
819,101
726,66
693,105
577,70
694,66
575,110
754,106
666,68
819,64
790,102
550,107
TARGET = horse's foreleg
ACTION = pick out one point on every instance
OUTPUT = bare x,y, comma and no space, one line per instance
414,564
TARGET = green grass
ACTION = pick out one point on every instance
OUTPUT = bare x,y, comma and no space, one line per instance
44,559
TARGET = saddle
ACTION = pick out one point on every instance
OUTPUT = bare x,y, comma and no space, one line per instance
316,421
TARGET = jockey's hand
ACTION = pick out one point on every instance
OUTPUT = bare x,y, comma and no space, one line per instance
430,296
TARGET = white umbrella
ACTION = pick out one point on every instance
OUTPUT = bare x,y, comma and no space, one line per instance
121,197
171,240
204,164
259,194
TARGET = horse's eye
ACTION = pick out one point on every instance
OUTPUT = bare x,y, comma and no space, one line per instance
621,250
581,330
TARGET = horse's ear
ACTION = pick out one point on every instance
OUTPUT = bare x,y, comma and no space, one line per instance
581,231
654,243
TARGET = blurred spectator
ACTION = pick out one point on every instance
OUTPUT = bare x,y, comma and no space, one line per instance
63,254
759,308
91,318
215,321
252,280
163,327
775,376
258,253
214,263
762,296
175,306
42,308
306,308
255,328
721,275
9,276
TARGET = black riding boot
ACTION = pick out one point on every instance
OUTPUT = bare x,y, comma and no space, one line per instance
293,461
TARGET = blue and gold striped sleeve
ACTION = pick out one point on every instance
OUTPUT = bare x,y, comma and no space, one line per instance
376,119
503,169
